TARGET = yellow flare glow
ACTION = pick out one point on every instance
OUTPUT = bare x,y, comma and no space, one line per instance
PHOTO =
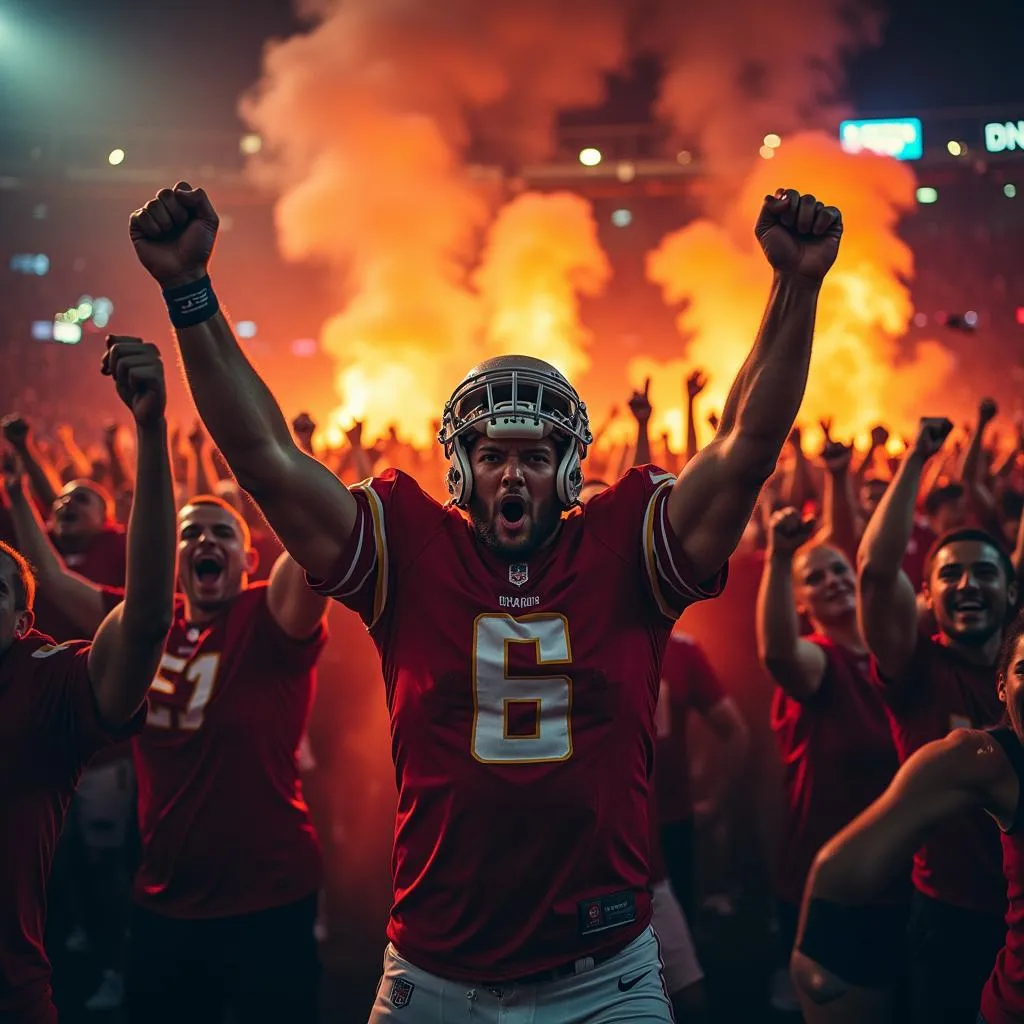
856,377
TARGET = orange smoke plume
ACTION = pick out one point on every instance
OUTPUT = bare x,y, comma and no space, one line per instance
738,70
365,120
716,269
542,250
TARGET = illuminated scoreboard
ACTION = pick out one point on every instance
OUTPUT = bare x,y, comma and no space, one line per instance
901,138
1004,136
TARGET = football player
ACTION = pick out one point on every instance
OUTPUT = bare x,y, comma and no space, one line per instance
520,635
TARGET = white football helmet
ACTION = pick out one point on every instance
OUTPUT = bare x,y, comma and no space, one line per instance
515,397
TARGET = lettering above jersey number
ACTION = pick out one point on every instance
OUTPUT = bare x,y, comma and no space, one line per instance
544,702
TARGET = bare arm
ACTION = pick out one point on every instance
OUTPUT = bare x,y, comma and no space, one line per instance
795,664
309,509
640,407
360,457
966,769
42,475
712,500
180,466
76,597
81,462
800,485
126,652
120,471
669,459
203,476
306,505
979,495
695,384
879,435
294,607
886,603
841,522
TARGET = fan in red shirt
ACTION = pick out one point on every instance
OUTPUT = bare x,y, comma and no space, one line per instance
101,819
520,638
225,894
969,771
226,891
930,686
829,722
59,704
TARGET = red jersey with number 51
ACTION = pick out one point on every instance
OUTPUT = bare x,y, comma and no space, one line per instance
522,704
225,830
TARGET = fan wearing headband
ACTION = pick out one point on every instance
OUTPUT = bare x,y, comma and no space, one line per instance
520,637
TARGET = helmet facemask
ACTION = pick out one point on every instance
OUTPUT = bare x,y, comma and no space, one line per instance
521,398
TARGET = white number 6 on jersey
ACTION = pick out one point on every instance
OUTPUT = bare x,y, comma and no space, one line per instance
495,693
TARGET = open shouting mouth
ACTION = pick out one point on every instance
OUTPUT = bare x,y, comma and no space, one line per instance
208,569
512,513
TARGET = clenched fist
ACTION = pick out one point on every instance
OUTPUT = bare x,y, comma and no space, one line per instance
16,430
138,372
787,531
173,234
640,403
931,435
799,236
696,383
837,456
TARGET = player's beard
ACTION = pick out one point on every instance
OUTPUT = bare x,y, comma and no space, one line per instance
542,526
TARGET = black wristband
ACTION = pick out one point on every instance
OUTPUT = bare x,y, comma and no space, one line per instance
860,944
191,304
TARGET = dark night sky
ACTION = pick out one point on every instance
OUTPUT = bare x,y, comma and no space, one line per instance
121,61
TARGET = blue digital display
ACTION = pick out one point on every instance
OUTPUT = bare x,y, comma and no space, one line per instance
900,138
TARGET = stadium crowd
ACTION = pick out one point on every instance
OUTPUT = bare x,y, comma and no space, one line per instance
869,614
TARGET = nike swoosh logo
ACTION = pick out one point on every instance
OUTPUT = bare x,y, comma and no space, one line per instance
625,986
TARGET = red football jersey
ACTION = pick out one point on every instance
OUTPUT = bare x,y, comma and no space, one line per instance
48,729
962,864
688,683
1002,1001
522,704
837,758
224,826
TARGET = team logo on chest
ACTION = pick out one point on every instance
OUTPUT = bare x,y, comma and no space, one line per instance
518,573
401,992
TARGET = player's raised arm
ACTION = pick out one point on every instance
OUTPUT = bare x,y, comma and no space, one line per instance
713,498
128,645
308,507
886,603
968,769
